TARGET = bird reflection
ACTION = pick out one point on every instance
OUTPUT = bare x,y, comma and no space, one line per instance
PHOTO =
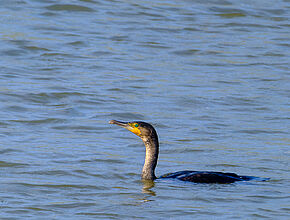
147,186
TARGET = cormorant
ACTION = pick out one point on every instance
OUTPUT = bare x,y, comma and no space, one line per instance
149,136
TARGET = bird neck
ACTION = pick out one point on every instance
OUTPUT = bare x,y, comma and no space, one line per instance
152,150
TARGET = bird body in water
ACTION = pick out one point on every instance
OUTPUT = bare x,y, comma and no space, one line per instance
149,136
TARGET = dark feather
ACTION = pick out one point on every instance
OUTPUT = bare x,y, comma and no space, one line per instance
206,177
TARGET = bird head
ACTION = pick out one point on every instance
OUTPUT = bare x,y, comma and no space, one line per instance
140,128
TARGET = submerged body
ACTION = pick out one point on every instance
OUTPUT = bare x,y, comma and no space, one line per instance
206,176
149,136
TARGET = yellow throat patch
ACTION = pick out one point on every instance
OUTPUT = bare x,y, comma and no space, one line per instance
135,130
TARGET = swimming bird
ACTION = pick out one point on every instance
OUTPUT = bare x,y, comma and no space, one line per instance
150,138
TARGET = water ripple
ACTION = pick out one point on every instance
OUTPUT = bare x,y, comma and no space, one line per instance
68,7
211,76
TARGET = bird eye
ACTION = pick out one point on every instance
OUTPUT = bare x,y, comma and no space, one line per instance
136,125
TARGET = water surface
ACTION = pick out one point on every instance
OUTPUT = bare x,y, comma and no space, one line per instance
211,76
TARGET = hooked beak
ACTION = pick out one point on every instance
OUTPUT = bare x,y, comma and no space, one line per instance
127,126
120,123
